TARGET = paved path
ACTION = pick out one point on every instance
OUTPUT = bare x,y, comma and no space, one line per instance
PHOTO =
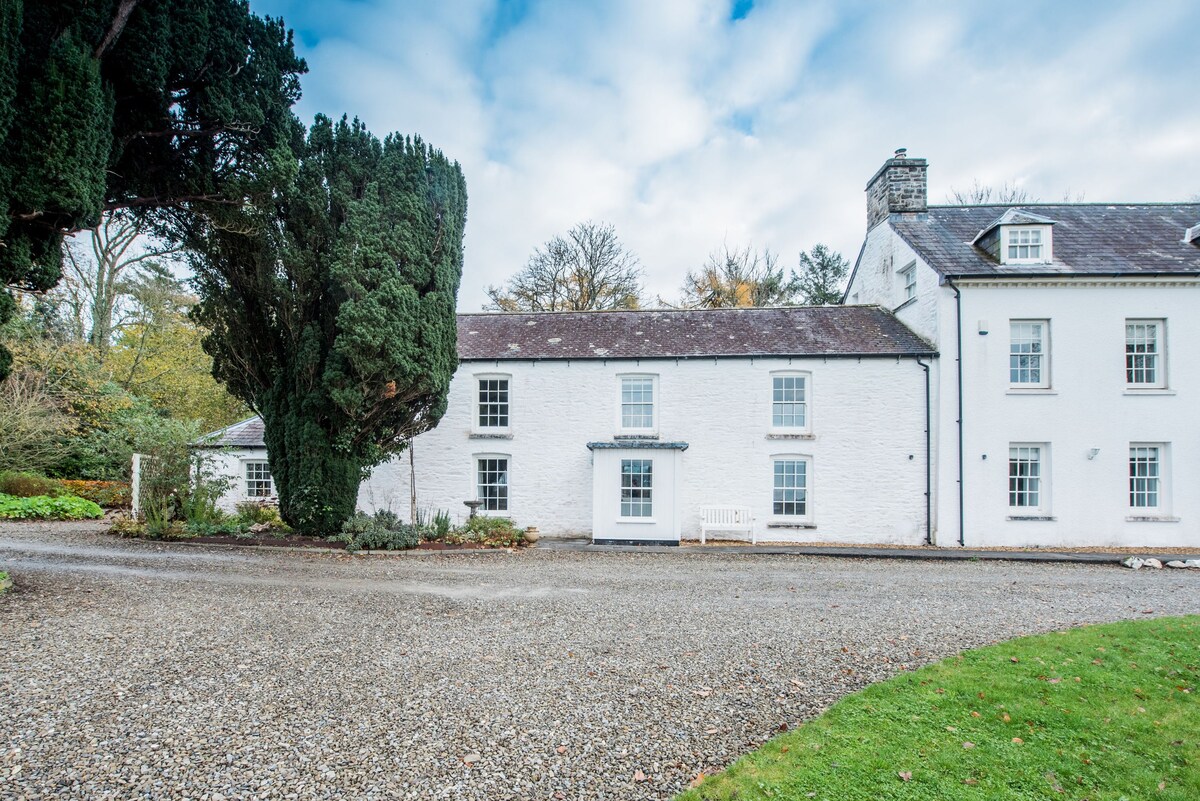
137,670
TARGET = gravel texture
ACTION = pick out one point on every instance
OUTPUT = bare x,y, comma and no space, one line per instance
136,670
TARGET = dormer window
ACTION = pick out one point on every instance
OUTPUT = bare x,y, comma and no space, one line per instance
1024,244
1018,237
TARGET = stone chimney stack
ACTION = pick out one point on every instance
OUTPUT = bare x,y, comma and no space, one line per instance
900,185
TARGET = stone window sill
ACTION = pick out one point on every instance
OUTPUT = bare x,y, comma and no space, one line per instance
792,525
795,435
481,435
1149,391
1151,519
1042,518
628,436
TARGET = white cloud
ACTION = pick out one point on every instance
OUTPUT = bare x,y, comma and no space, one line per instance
684,129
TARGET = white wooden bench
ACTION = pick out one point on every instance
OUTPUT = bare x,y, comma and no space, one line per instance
726,518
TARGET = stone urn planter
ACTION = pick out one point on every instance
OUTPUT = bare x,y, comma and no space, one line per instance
532,535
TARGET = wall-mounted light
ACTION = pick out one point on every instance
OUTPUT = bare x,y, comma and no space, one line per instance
983,328
1093,453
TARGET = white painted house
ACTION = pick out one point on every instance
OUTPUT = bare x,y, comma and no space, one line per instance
1024,375
1066,394
622,425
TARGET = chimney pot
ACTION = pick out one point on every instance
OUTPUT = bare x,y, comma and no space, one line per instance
901,152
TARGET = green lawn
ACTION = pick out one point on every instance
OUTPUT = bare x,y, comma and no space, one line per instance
1101,713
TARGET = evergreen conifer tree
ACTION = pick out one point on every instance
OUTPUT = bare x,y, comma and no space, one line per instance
332,309
150,105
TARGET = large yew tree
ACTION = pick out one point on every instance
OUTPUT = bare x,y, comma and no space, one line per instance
151,105
332,309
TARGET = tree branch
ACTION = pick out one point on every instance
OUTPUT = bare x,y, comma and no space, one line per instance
124,9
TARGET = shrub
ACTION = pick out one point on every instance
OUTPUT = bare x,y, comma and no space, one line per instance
108,494
382,531
435,529
259,513
233,527
127,526
44,507
29,485
179,485
494,532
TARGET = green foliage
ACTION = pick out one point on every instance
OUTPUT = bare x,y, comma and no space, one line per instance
331,311
159,357
45,507
180,486
216,528
382,531
440,525
107,423
29,485
822,272
171,108
494,532
257,513
1101,712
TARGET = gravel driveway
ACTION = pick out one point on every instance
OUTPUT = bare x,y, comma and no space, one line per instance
134,670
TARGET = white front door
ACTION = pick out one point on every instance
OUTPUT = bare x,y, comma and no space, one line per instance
633,495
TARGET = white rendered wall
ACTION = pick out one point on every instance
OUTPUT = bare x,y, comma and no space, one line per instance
231,462
876,283
1087,406
867,444
930,314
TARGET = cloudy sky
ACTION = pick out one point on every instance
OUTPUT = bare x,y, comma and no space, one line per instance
689,123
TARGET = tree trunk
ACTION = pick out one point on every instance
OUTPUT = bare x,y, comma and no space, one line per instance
317,486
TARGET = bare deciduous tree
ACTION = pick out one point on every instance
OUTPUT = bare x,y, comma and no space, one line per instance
32,422
588,269
981,195
733,278
101,266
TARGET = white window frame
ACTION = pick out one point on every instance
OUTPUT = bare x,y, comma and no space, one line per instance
806,403
807,515
645,493
1160,353
908,275
477,470
1160,486
270,479
477,404
1022,452
645,431
1044,354
1011,236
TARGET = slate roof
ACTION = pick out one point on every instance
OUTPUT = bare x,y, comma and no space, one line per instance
1089,238
246,434
795,331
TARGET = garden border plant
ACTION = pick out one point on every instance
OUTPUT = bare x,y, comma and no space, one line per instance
45,507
